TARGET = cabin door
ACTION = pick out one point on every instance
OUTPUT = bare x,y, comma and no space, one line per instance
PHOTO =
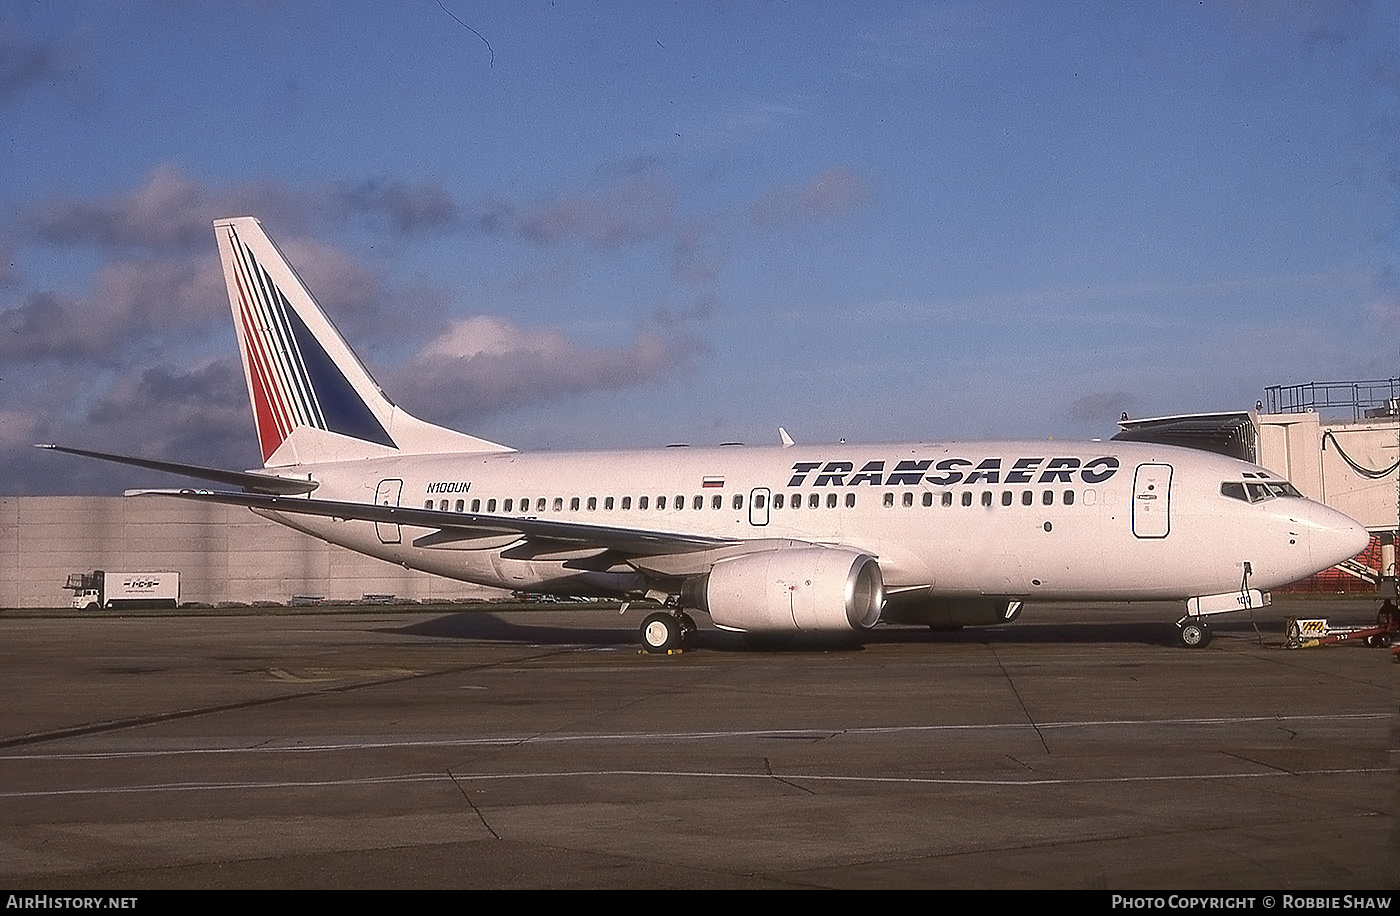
1152,485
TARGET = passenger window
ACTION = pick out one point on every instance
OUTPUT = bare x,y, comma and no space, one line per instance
476,505
643,502
928,498
831,500
559,504
608,504
1048,497
850,500
428,504
626,502
539,504
777,500
1069,497
908,499
680,502
506,507
717,502
592,504
491,505
967,498
813,501
573,504
461,504
986,497
1027,497
758,501
699,502
738,501
889,500
947,497
1006,498
660,502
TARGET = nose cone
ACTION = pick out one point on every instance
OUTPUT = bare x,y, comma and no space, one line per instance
1336,537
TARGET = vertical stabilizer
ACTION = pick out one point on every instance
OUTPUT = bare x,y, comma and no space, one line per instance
312,398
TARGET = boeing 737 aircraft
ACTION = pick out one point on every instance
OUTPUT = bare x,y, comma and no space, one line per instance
787,539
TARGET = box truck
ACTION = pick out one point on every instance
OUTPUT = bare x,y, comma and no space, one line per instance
124,589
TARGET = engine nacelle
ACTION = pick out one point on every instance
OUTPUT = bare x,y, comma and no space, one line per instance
937,611
801,589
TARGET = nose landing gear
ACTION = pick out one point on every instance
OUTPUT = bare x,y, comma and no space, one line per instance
1193,632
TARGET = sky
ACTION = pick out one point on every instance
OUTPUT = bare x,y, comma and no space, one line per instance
562,225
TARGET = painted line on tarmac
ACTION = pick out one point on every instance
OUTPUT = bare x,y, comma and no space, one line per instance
785,778
621,737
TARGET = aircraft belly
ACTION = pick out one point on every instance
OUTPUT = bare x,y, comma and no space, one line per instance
361,537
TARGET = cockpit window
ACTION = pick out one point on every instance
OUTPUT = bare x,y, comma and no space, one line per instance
1254,491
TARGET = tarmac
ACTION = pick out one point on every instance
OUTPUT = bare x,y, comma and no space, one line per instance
452,747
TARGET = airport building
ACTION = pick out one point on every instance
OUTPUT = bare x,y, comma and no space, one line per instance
1339,443
224,554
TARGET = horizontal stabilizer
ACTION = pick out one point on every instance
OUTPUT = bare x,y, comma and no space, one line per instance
250,482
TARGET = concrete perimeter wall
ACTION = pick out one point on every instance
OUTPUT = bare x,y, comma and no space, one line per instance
223,553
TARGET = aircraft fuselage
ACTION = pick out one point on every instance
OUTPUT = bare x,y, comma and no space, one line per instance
1039,520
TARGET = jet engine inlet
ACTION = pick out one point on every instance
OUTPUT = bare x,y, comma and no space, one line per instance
803,589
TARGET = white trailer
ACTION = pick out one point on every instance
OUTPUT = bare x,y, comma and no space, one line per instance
102,589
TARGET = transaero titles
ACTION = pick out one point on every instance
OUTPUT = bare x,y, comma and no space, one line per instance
952,471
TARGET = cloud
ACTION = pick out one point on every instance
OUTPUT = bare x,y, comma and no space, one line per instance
133,307
364,306
18,430
200,413
1385,310
123,363
169,210
638,205
1103,407
402,208
9,269
33,66
484,364
197,414
701,250
835,192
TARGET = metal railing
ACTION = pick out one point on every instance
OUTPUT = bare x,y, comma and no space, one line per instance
1369,399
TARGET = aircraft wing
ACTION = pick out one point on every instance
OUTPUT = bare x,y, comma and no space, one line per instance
629,541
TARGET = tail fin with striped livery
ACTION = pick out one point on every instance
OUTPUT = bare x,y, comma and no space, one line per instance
312,398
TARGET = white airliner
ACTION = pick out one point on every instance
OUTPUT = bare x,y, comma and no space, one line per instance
780,540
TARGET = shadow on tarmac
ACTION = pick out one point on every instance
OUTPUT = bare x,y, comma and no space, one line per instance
518,628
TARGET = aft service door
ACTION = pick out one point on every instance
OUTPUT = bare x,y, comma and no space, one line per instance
1152,486
387,494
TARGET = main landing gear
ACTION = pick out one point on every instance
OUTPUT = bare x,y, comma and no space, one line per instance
667,631
1193,632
